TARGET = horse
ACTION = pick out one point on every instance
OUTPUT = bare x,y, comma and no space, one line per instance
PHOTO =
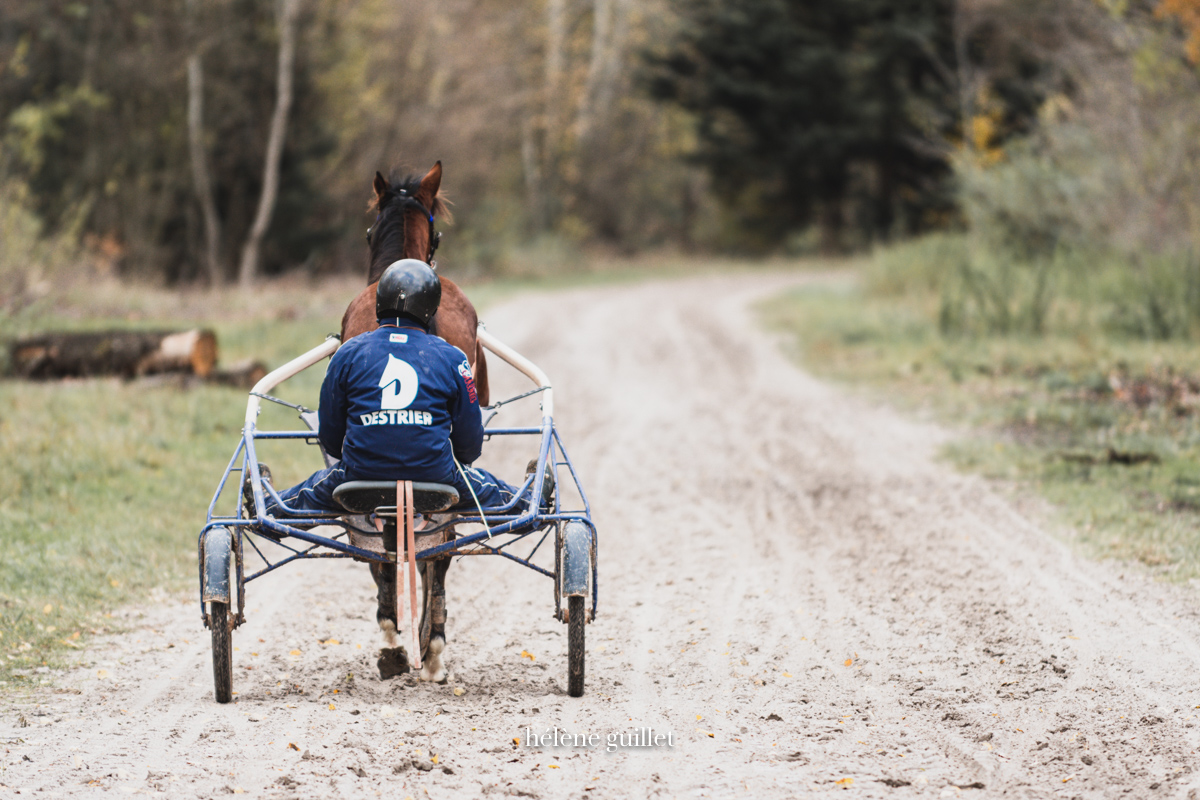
405,209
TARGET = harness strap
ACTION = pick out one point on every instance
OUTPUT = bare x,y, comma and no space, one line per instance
435,239
414,626
406,570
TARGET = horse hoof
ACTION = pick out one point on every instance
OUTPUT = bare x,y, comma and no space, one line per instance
438,676
392,662
432,669
389,632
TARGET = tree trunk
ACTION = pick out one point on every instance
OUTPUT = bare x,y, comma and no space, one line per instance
966,81
533,176
601,25
200,178
248,271
242,375
611,74
125,353
552,103
201,182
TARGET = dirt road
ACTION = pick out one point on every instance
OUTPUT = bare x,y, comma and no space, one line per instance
791,588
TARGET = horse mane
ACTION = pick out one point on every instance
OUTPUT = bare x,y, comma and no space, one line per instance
387,234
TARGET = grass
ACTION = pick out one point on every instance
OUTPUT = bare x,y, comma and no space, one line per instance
106,481
1105,427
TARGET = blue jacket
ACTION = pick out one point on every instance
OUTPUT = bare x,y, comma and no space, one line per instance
396,402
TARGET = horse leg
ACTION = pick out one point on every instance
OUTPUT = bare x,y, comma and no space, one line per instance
385,586
432,665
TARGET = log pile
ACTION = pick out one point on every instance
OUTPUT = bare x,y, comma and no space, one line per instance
128,354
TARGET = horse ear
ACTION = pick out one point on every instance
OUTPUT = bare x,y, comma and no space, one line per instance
381,187
430,185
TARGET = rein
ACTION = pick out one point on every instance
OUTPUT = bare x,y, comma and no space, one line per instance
408,201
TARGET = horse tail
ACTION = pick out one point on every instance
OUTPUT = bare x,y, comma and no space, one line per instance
481,376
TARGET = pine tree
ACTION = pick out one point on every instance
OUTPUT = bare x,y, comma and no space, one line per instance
808,111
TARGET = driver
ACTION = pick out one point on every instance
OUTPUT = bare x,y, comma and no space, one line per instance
399,403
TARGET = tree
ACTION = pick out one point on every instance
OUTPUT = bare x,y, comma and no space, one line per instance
1188,14
248,270
202,183
834,113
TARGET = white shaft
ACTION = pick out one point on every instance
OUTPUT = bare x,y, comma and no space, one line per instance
281,374
523,365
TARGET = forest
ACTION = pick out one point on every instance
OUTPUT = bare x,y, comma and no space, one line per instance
214,141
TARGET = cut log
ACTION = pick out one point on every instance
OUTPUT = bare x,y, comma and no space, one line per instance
242,375
125,353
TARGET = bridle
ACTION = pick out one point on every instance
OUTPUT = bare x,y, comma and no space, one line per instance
408,201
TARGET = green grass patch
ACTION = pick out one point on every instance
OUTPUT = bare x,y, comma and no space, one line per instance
1105,427
105,486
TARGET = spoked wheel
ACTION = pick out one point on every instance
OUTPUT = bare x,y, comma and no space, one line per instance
222,651
577,619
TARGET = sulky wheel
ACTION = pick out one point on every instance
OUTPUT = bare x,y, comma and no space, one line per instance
577,619
222,651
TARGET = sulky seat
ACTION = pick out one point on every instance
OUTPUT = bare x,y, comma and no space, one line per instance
364,497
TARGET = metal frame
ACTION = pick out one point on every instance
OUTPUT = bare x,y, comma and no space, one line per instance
502,528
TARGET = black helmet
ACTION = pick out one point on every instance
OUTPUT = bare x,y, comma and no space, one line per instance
408,288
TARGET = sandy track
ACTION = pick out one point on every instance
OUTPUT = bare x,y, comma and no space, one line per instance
782,567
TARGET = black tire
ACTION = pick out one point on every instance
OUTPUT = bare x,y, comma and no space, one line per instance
575,650
222,651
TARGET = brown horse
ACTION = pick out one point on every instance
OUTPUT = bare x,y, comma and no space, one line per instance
405,209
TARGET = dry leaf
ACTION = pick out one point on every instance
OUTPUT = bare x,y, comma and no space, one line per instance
787,674
698,717
845,782
332,707
709,734
294,653
294,746
848,662
116,584
529,655
101,673
331,641
434,759
459,691
552,766
47,609
516,740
